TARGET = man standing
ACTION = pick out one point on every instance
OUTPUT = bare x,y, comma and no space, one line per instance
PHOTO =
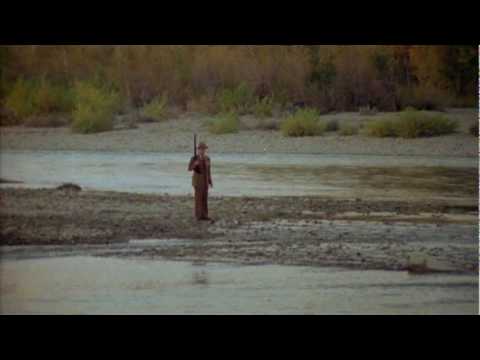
201,180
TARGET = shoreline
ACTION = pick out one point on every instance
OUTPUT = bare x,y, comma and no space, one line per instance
176,136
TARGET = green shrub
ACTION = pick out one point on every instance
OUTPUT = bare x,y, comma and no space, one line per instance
263,108
31,97
156,109
348,130
474,129
94,108
380,128
413,124
304,122
332,125
225,123
20,99
49,98
239,99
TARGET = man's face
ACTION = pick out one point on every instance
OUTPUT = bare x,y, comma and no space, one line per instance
202,151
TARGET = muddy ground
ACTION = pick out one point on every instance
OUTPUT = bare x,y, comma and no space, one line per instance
319,231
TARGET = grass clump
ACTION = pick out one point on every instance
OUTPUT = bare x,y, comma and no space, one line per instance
381,128
38,97
348,130
156,109
304,122
239,99
263,108
94,109
20,99
224,123
412,124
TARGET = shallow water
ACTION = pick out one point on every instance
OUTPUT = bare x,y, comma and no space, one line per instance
248,174
90,285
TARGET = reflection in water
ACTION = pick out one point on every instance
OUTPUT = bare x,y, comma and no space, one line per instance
88,285
200,276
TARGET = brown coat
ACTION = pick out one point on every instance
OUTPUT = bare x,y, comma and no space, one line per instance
201,179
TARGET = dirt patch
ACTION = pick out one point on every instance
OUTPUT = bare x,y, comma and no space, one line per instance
282,230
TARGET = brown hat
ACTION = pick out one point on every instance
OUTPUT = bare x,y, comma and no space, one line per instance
202,145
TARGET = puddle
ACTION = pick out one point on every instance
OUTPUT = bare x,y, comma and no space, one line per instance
90,285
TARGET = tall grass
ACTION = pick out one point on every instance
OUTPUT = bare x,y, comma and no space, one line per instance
348,130
20,99
38,97
94,108
239,99
304,122
157,108
263,108
225,123
411,124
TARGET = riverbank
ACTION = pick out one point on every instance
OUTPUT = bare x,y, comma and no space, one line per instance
175,135
389,235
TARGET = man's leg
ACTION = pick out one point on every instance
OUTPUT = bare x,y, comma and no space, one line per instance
198,204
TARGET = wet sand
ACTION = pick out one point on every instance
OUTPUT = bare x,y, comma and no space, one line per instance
430,236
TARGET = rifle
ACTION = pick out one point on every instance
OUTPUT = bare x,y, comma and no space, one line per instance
195,146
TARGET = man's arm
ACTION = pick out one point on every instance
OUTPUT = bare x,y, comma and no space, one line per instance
210,182
192,164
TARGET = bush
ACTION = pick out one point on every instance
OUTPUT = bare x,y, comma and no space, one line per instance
304,122
49,98
348,130
332,125
94,108
225,123
29,97
380,128
263,107
474,129
412,124
239,99
20,99
156,109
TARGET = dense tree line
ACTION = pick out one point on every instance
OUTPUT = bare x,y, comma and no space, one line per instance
325,76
